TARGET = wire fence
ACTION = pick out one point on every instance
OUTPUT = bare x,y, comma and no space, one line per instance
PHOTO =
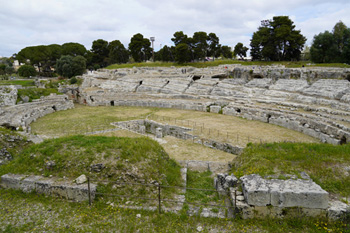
158,195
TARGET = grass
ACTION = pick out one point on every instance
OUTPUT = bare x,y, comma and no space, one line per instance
288,64
21,212
74,156
25,83
35,93
324,163
201,180
86,119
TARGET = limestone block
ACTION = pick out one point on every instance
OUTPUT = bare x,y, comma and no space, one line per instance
256,190
44,186
300,193
28,184
159,132
11,181
215,108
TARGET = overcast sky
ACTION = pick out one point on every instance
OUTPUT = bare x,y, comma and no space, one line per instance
42,22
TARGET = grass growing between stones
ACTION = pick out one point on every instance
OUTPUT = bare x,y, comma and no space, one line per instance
201,180
139,160
21,212
325,164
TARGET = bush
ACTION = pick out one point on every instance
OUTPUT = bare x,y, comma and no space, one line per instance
73,80
26,71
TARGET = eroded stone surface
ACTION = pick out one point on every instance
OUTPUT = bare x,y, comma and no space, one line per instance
283,193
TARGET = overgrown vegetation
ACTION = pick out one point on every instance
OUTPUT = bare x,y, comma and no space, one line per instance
35,93
201,180
324,163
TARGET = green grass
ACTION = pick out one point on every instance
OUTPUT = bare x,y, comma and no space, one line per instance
288,64
324,163
35,93
21,212
25,83
73,156
201,180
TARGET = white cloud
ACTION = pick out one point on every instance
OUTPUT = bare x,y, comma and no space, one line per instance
25,23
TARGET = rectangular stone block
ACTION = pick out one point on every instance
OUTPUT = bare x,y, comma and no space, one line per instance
12,181
297,193
256,190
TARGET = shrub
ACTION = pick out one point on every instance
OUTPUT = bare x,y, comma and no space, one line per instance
26,71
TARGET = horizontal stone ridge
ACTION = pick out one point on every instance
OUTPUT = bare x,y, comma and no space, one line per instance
283,193
49,186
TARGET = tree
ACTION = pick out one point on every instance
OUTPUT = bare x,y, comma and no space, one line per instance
214,46
200,45
69,66
100,52
277,39
73,49
180,37
140,48
165,54
240,50
226,51
323,48
117,52
26,71
182,53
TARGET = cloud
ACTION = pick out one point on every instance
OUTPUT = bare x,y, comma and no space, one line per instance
35,22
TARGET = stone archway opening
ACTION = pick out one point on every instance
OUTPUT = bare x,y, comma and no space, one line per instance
342,140
257,76
112,103
196,77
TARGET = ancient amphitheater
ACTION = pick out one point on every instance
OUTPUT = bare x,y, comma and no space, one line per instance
313,101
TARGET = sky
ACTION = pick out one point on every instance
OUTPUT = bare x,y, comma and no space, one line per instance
26,23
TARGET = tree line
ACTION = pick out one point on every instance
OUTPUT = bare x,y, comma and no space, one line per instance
275,40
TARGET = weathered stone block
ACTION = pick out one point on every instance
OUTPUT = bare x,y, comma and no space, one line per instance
256,190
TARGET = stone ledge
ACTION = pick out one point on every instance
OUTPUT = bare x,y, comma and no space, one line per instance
283,193
50,187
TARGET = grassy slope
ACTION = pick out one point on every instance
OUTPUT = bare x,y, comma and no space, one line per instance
323,162
288,64
74,155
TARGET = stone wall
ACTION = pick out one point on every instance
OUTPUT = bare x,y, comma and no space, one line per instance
142,126
49,186
8,95
22,115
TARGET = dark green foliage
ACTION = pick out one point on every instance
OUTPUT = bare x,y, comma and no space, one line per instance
180,38
240,50
100,52
165,54
182,53
26,71
214,46
73,80
200,45
332,46
117,52
73,49
226,52
277,40
69,66
140,48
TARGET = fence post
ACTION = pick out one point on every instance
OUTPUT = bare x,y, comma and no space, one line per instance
89,191
159,207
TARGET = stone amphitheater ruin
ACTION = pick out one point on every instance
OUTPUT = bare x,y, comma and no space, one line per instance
313,101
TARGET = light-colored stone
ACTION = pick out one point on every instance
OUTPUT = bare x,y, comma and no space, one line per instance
81,179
